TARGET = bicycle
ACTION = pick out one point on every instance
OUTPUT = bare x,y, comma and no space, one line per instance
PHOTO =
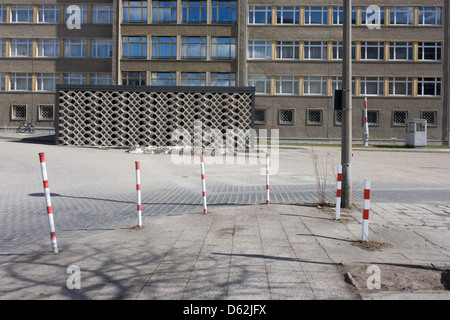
26,127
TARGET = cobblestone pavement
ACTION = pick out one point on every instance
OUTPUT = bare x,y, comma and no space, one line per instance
94,190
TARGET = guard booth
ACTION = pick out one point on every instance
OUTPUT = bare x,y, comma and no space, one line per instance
416,133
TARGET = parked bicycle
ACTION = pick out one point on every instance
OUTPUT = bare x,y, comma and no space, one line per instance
24,127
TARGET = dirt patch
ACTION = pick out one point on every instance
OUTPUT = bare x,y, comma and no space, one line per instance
371,245
402,278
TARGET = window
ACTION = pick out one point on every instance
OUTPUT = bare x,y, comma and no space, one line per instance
134,47
47,81
21,47
315,85
287,50
75,48
402,16
193,48
338,50
430,51
336,84
48,48
223,79
2,81
134,78
287,116
261,84
259,15
194,11
2,47
260,50
371,17
18,112
316,50
164,47
430,16
430,116
399,118
2,13
49,14
223,12
338,15
400,86
372,50
286,85
288,15
135,11
83,13
223,48
45,112
314,116
101,79
372,86
164,78
193,79
101,48
260,116
401,50
20,81
373,117
429,87
338,117
316,15
102,14
75,78
22,14
164,11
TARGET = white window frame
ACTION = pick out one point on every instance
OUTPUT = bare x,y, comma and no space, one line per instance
2,81
437,82
282,81
314,123
55,9
267,10
437,46
281,46
378,45
99,10
83,13
295,10
308,81
156,78
2,47
254,80
365,81
394,46
44,78
98,79
407,82
323,10
27,79
97,43
15,44
13,111
402,10
42,43
40,110
2,13
15,11
71,43
425,11
267,45
75,78
280,121
336,84
310,45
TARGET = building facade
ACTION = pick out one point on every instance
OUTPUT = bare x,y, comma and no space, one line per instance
290,51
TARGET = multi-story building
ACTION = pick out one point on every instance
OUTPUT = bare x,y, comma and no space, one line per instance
291,51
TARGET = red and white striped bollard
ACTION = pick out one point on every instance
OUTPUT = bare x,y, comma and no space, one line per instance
48,202
267,178
202,167
138,191
366,208
338,193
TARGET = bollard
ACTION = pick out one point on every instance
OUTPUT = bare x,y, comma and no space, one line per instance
267,178
202,167
338,193
138,191
48,202
365,221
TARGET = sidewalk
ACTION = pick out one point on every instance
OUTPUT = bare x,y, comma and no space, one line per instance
276,252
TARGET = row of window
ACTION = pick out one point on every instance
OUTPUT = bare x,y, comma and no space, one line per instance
46,82
366,86
20,112
166,11
324,15
191,47
50,48
367,50
315,117
101,14
217,79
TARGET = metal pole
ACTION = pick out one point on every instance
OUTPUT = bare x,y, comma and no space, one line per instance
366,125
346,152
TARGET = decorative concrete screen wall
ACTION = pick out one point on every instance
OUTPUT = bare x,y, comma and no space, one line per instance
123,116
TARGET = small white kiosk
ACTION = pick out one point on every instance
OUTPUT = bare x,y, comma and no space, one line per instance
416,133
